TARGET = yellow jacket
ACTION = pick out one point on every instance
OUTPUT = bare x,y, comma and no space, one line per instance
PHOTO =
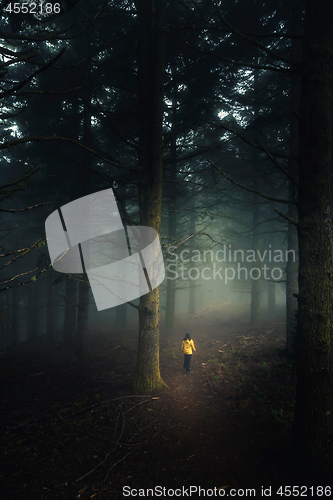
187,346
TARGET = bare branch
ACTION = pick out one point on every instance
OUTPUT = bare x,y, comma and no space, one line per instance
26,282
289,219
22,57
277,165
21,179
133,305
21,254
17,276
39,138
25,209
258,146
249,189
30,77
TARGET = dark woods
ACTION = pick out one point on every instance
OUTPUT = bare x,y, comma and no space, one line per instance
211,123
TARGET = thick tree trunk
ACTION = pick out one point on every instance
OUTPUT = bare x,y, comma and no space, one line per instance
151,94
313,424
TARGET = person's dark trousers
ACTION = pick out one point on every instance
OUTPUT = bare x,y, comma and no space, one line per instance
187,362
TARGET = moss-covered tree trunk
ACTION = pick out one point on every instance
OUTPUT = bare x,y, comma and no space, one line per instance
150,170
313,425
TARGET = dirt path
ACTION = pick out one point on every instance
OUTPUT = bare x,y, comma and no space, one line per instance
216,436
73,432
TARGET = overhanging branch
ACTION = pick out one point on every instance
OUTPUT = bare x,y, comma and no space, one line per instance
270,198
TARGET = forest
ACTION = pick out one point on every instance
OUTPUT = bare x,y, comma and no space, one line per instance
165,175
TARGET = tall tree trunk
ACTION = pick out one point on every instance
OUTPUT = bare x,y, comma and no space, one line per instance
172,194
150,174
120,194
84,287
313,424
292,265
255,283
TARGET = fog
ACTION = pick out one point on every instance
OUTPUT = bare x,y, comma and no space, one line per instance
166,248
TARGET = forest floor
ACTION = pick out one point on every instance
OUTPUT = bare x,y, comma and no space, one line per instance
74,431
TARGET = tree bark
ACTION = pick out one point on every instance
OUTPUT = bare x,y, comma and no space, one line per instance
313,424
150,171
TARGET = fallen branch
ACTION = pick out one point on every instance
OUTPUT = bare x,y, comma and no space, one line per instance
113,466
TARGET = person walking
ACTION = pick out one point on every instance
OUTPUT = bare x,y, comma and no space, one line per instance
187,348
